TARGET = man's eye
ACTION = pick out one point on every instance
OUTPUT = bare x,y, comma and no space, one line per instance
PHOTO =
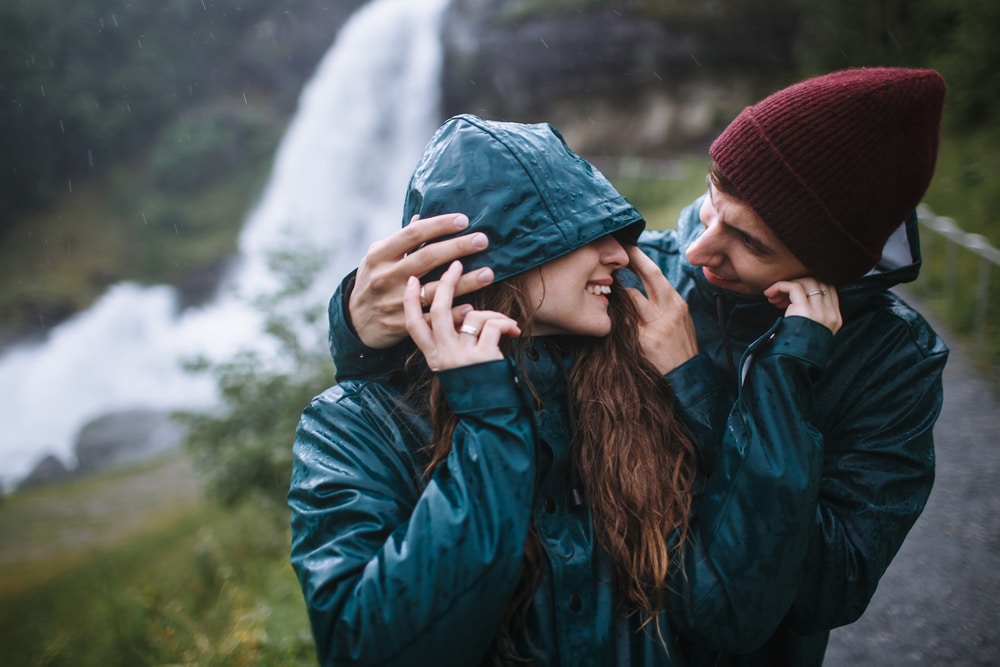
752,243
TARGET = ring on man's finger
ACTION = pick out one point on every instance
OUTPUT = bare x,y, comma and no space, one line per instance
469,329
423,296
816,291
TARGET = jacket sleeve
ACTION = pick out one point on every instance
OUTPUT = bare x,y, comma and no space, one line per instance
813,494
352,358
395,572
752,525
702,401
877,474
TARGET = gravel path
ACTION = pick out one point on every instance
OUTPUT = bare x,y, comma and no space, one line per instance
939,602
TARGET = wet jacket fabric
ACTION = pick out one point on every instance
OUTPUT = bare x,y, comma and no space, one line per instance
817,450
399,570
858,408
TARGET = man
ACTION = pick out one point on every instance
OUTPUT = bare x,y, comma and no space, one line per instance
809,211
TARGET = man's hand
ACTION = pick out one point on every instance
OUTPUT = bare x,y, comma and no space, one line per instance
807,297
666,332
376,302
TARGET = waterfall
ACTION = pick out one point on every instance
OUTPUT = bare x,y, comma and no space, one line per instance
337,184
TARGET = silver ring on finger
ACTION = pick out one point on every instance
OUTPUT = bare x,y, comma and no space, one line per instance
469,329
815,292
423,296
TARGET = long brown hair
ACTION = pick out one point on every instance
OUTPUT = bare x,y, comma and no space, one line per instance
635,461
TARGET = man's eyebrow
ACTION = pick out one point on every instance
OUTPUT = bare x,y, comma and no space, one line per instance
756,240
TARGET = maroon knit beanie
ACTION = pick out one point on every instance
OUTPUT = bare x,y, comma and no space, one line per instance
834,164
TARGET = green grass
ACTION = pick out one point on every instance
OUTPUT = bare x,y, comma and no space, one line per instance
661,194
189,583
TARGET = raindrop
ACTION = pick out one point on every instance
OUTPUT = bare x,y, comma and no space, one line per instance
90,157
129,107
42,86
245,98
69,181
144,221
658,77
140,42
543,42
115,19
695,60
203,5
61,126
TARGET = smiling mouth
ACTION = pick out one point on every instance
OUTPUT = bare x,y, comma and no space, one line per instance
715,277
599,289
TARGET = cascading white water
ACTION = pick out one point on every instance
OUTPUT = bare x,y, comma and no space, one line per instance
337,184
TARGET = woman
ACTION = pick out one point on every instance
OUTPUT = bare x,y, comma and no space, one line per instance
484,506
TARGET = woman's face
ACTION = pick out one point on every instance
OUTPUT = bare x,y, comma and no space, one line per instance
571,292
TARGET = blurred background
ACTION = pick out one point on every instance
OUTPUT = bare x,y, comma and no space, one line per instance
184,184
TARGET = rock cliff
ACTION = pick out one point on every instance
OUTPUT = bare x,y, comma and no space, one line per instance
614,77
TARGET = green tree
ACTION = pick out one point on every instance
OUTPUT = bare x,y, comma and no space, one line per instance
244,449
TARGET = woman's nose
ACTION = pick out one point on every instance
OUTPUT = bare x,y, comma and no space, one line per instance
613,252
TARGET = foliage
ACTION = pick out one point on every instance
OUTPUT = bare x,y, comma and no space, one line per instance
244,449
203,144
969,61
87,85
834,34
211,588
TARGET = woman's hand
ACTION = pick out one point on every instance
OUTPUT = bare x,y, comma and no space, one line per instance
807,297
444,344
666,332
375,305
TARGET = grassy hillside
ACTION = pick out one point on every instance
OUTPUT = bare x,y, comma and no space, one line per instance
134,568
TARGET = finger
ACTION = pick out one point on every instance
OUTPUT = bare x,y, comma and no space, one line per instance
656,284
479,320
419,247
441,305
420,230
467,283
496,328
413,313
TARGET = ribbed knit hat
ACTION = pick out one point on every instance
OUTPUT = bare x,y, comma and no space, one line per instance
834,164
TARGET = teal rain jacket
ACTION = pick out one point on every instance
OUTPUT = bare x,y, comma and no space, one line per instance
398,570
849,417
818,453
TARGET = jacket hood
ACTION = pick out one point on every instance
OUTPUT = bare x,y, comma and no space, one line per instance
534,198
901,261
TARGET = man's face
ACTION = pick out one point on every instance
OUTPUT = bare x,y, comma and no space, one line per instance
737,251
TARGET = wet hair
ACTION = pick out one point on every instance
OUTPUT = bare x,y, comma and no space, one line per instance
637,481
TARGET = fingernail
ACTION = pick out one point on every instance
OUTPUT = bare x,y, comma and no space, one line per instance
480,240
465,310
461,222
485,276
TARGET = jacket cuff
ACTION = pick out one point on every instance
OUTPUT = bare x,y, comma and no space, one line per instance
484,386
802,338
352,358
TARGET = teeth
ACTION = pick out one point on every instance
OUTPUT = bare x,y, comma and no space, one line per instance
599,289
